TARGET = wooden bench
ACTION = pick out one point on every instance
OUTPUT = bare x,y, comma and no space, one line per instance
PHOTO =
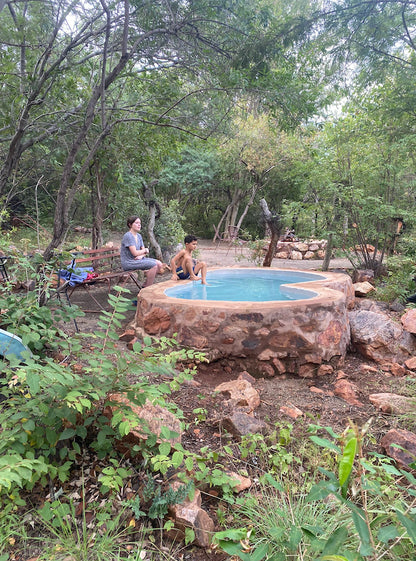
105,264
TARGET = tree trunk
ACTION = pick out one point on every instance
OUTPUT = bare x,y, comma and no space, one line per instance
154,213
153,208
328,252
254,190
274,223
98,205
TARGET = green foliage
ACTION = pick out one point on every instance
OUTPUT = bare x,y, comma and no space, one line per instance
364,509
157,499
271,453
51,410
70,535
379,500
282,524
399,283
22,312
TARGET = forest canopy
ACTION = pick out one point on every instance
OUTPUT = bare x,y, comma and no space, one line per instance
202,109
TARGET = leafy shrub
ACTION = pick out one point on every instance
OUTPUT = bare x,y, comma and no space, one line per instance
53,409
399,284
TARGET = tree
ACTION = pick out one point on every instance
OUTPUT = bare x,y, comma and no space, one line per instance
95,68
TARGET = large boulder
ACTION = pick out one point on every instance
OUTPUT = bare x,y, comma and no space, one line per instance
376,336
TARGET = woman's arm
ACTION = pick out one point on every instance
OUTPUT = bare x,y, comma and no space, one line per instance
138,253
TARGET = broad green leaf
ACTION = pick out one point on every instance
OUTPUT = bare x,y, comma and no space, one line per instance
347,461
335,541
387,533
325,443
165,448
358,517
67,433
409,524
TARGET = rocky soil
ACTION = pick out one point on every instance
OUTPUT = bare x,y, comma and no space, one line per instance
376,364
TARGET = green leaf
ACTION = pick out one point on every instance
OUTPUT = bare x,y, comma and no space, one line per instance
177,458
189,463
347,461
335,541
333,558
268,478
409,524
67,433
358,517
325,443
165,448
32,379
387,533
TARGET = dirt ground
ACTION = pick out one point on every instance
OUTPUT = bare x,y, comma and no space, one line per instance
204,409
314,397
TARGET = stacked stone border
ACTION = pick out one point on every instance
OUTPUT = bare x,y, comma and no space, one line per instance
299,250
298,336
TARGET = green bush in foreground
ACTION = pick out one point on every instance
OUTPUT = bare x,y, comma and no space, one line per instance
366,510
50,410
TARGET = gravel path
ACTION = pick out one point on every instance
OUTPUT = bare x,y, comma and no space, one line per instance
225,256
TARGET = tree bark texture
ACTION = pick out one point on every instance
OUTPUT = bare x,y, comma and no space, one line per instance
274,224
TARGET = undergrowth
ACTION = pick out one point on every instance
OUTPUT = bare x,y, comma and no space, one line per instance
320,499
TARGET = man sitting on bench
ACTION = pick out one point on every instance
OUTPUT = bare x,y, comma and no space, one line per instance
133,254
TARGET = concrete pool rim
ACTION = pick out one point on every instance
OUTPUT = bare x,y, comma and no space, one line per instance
331,281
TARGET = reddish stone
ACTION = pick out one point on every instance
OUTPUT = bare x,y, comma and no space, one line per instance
241,393
296,255
291,411
244,375
309,255
157,321
348,391
325,370
332,334
367,368
405,454
153,416
267,369
314,389
307,370
189,514
411,363
282,255
240,424
241,483
397,369
279,366
409,321
393,403
363,288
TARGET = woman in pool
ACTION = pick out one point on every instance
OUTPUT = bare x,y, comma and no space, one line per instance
133,254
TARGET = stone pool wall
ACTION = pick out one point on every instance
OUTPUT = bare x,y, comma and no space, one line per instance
297,336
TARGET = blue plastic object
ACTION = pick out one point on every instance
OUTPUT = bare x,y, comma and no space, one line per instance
11,344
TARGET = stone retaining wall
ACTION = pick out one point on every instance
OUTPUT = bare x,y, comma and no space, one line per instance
314,249
277,337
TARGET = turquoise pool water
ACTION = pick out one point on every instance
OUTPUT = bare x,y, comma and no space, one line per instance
249,285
